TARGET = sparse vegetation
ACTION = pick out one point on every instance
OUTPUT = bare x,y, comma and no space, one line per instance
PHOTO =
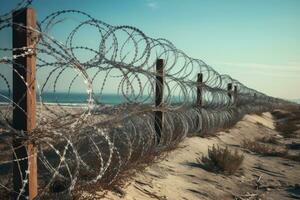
264,149
209,134
259,124
294,157
258,113
268,139
222,160
287,129
279,115
287,123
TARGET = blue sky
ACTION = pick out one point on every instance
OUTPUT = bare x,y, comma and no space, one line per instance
256,42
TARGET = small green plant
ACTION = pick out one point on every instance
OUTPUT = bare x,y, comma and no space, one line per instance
222,160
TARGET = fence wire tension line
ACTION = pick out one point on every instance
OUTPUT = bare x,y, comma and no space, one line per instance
53,149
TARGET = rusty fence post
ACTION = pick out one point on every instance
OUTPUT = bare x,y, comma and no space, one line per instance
24,95
199,89
229,90
159,93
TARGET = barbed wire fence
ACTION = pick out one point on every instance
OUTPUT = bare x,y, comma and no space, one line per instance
166,96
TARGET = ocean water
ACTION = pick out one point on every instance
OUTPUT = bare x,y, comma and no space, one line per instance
82,98
72,98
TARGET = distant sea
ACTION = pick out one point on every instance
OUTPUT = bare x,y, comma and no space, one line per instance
81,98
70,98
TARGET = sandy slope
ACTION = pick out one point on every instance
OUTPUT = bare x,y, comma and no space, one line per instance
180,177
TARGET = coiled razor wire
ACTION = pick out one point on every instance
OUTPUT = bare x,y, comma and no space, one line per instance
94,142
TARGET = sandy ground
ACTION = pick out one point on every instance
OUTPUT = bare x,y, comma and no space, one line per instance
179,176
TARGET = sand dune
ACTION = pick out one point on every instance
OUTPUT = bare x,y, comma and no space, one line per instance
179,176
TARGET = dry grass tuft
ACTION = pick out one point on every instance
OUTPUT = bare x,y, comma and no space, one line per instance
264,149
259,124
287,129
279,115
287,123
294,157
258,113
222,160
209,134
268,139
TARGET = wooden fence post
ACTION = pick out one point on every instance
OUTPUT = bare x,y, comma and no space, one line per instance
199,89
24,95
235,93
229,90
159,93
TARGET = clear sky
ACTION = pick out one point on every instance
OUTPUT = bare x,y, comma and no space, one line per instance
256,42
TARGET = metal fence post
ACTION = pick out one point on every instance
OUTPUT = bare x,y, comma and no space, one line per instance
24,95
159,93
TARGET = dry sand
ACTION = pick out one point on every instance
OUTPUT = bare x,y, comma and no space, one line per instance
179,176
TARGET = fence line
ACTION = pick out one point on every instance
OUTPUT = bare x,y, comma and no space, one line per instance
168,96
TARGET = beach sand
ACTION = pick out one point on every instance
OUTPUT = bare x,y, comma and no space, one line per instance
178,175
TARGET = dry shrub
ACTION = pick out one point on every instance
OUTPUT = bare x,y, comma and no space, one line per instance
287,129
279,115
269,139
259,124
264,149
286,114
287,122
222,160
294,157
99,189
209,135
